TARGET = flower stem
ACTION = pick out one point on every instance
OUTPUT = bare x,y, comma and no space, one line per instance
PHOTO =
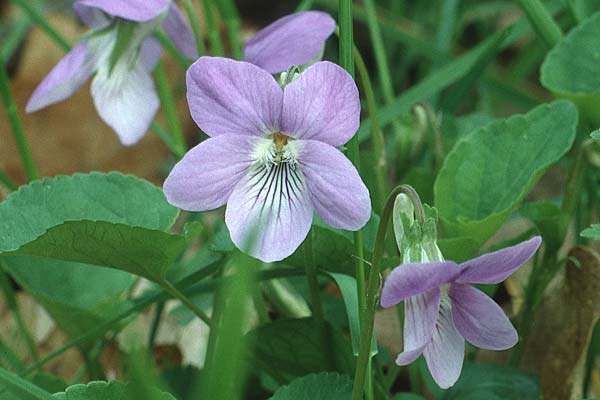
15,123
542,22
216,45
156,319
14,38
372,295
376,133
231,18
40,20
173,291
189,9
168,104
304,5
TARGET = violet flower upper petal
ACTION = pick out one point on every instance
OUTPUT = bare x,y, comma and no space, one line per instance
412,279
133,10
295,39
227,96
480,320
497,266
336,190
206,176
321,104
180,32
65,78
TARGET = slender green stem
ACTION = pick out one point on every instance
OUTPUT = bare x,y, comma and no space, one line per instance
33,12
15,37
7,182
542,21
156,319
21,388
166,44
168,104
231,18
214,36
173,291
259,302
15,123
167,139
575,179
372,295
380,162
11,301
189,9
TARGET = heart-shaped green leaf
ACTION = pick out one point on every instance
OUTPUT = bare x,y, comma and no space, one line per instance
330,386
489,172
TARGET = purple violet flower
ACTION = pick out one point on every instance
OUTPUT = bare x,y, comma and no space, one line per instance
442,310
123,89
271,155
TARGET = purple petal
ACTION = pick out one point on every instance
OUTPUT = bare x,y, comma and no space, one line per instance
446,351
408,356
321,104
205,177
480,320
133,10
150,53
269,212
92,17
292,40
411,279
497,266
126,100
339,196
227,96
180,32
421,314
65,78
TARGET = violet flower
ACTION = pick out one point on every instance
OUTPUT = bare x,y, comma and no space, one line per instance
122,88
442,310
271,154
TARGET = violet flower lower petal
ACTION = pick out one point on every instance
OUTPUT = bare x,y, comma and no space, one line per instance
412,279
65,78
499,265
207,174
321,104
126,100
295,39
180,32
336,190
269,212
227,96
133,10
445,352
480,320
150,53
420,316
408,356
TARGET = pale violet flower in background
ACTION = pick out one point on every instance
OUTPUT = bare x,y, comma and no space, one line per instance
295,39
122,87
442,310
271,155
